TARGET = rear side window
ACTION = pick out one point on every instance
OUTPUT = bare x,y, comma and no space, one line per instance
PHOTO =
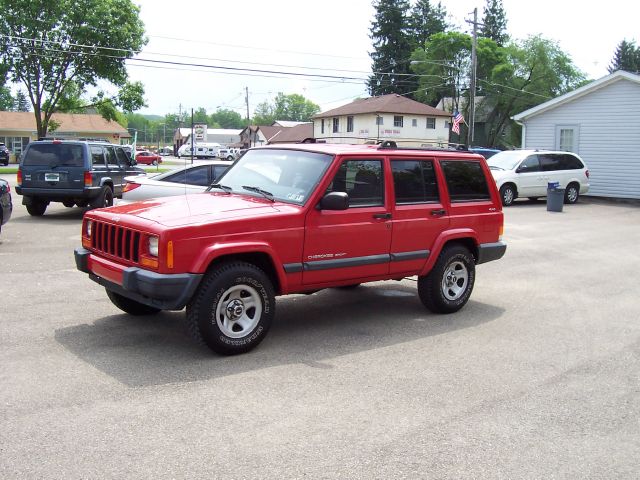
569,162
53,154
465,180
97,156
414,181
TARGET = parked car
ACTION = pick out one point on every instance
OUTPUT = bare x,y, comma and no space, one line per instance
73,172
146,157
6,206
4,154
484,151
527,173
191,179
298,218
228,153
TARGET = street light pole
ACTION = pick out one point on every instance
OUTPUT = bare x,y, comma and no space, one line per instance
472,82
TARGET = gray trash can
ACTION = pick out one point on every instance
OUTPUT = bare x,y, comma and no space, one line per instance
555,197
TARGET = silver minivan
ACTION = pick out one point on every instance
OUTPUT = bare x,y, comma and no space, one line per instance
528,173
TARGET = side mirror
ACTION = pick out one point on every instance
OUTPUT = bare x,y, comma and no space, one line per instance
334,201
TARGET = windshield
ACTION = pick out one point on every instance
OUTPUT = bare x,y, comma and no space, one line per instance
54,154
285,175
506,160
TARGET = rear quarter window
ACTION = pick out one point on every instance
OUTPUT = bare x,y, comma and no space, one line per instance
465,181
54,154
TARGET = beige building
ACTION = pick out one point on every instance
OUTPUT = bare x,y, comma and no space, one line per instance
387,117
17,129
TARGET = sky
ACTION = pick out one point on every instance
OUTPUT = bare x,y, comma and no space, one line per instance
329,39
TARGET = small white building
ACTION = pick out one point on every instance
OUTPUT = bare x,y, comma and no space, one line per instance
600,122
387,117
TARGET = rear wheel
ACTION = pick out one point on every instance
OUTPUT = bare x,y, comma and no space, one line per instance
448,286
130,306
571,193
105,199
232,309
69,203
36,208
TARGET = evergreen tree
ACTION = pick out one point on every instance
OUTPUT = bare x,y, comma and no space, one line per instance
22,103
626,57
495,22
426,20
392,47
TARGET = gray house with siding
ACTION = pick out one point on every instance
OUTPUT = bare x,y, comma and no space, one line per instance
600,122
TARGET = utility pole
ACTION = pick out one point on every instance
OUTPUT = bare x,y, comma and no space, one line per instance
193,143
246,98
472,80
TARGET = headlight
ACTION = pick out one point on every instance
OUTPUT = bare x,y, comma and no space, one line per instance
153,246
88,228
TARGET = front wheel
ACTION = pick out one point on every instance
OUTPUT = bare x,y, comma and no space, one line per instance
130,306
232,309
447,287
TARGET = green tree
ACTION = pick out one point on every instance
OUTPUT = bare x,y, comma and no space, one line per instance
264,114
494,22
425,20
6,99
21,102
227,119
626,57
392,47
47,45
294,107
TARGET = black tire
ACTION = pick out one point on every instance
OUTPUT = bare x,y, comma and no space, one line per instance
507,194
349,287
130,306
154,163
105,199
82,203
571,193
37,208
69,203
448,286
230,157
217,315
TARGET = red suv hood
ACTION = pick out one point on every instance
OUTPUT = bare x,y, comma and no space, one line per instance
197,208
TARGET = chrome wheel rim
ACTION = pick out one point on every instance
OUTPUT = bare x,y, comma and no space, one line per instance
455,280
238,311
508,196
572,194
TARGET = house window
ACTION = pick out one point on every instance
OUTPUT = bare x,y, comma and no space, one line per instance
567,138
350,124
336,125
414,122
431,123
322,126
398,120
379,120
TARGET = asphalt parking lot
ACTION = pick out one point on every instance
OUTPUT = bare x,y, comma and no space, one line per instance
537,377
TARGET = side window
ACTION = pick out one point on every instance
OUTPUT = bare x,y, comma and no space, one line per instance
218,170
569,162
414,181
465,181
192,176
97,156
530,164
362,180
122,157
550,162
112,160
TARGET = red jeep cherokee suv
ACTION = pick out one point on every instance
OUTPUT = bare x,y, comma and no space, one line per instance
293,219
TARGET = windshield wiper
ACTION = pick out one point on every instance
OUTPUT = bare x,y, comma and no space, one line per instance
220,186
264,193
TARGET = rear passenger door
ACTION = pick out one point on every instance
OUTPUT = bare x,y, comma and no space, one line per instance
419,216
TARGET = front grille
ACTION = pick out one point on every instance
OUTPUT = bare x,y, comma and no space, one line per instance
116,241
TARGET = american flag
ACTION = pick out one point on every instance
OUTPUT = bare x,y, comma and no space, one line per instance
457,118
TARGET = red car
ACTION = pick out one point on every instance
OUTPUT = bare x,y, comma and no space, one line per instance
147,158
296,219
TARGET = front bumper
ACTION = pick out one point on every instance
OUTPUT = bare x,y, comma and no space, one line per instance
163,291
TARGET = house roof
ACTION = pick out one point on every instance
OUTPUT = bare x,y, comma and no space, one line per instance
293,134
286,123
585,90
69,122
392,103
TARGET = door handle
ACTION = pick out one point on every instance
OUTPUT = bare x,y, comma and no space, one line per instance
438,213
382,216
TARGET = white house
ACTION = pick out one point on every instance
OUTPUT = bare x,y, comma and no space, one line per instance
387,117
600,122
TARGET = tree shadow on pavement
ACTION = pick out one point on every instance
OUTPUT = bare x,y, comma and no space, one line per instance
308,329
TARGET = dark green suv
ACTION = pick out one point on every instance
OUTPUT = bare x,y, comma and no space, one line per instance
73,172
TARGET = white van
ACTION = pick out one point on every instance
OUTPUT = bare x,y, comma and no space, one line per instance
527,173
201,150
